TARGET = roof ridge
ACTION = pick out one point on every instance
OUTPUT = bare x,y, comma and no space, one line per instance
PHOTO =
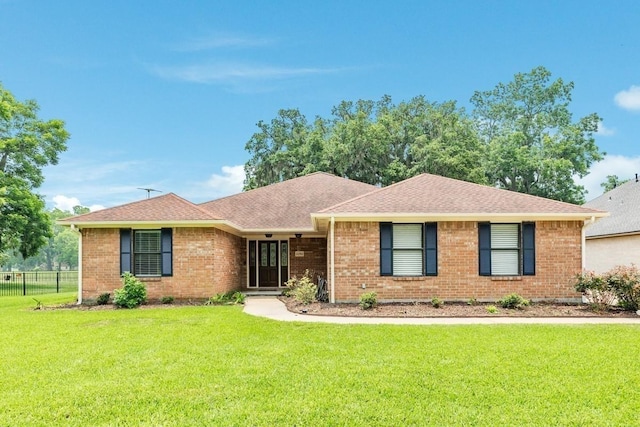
135,202
196,206
280,182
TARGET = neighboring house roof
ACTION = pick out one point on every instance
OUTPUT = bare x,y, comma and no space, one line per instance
623,202
168,208
435,196
286,205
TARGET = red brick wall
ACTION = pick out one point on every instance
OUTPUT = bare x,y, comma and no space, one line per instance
230,262
314,259
357,262
205,261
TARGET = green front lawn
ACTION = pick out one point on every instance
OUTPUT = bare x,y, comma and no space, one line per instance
214,365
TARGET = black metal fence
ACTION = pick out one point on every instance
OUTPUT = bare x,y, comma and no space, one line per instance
37,282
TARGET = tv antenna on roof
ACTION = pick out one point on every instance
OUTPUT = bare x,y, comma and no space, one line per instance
149,190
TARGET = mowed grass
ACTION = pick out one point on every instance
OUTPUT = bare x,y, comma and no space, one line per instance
195,366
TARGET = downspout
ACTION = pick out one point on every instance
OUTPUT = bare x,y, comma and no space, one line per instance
332,299
73,228
584,240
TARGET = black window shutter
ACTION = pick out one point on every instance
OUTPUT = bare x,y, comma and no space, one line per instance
484,248
166,247
125,251
529,249
386,249
431,248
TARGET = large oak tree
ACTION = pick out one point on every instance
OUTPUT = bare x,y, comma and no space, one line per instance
533,145
27,144
376,142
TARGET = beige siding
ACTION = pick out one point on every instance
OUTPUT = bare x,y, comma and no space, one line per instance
604,254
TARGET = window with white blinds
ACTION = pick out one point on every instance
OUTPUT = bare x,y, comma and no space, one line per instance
408,250
505,249
147,251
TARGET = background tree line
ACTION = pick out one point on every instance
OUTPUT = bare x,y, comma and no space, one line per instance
60,252
520,136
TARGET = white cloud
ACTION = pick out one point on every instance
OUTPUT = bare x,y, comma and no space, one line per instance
222,41
230,182
604,131
629,99
623,167
227,72
65,203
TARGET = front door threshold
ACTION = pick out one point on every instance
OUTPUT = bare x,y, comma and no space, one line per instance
262,292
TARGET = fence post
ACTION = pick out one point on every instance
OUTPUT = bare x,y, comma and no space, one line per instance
57,282
24,283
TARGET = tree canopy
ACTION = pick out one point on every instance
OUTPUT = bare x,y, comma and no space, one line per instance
27,144
520,136
374,142
611,182
532,144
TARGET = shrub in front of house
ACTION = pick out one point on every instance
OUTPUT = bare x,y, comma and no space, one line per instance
227,298
103,299
596,290
132,294
167,299
305,292
294,282
513,301
368,300
437,302
619,286
624,281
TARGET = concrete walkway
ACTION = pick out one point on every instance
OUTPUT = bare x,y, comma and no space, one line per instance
272,308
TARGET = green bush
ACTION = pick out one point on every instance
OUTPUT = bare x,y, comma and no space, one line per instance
294,282
368,300
624,282
513,301
304,292
437,302
618,286
596,290
238,297
132,294
167,300
492,309
225,298
103,299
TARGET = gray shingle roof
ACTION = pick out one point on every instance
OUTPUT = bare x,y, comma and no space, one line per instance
623,204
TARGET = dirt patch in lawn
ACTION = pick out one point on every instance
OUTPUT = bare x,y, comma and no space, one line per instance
451,309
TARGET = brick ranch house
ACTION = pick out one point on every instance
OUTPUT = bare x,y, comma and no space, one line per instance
423,237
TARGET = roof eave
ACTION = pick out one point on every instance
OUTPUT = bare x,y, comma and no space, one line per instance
138,224
431,216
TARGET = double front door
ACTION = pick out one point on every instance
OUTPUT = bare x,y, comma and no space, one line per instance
268,263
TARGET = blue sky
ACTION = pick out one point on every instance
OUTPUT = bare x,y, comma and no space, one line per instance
165,94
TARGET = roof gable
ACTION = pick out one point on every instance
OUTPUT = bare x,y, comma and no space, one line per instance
623,204
287,204
162,209
428,194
